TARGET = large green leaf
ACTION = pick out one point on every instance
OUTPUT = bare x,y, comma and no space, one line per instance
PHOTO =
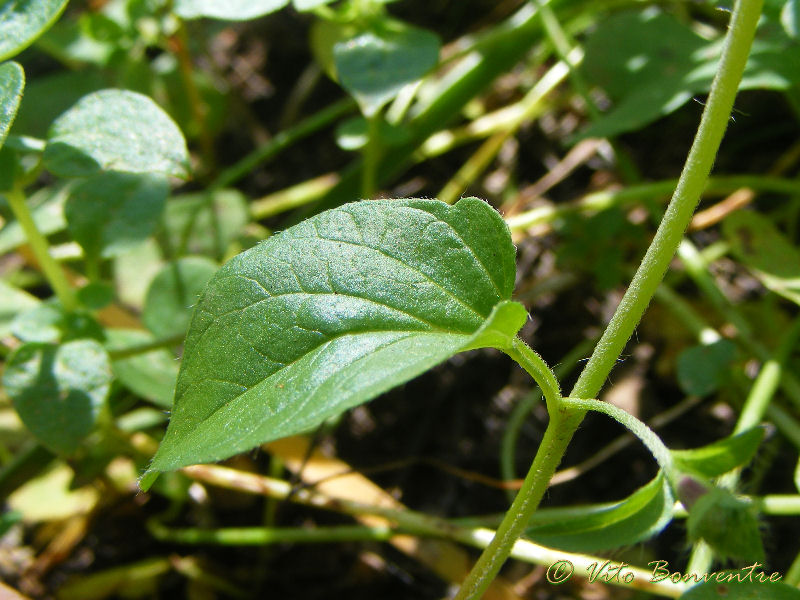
115,130
332,312
721,456
12,81
229,10
772,258
22,21
112,212
173,293
375,64
592,529
58,391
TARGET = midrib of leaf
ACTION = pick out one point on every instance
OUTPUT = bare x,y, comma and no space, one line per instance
234,404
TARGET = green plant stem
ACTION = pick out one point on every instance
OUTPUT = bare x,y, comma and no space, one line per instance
676,219
529,360
792,576
144,348
419,523
260,536
281,141
372,156
598,201
41,250
524,407
684,201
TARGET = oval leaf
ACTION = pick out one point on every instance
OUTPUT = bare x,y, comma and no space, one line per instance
115,130
22,21
332,312
112,212
230,10
376,64
12,82
592,529
58,391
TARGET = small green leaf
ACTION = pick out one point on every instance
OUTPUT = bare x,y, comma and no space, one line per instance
331,313
765,251
725,586
48,322
726,523
58,391
12,82
702,369
22,21
151,375
592,529
377,63
173,294
721,456
115,130
206,222
230,10
110,213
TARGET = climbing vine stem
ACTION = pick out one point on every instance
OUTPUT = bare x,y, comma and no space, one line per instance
565,419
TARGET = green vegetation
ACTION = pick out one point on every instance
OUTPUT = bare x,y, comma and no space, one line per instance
193,274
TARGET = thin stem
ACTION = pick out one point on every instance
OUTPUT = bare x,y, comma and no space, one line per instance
692,181
529,360
684,201
41,250
261,536
282,141
372,156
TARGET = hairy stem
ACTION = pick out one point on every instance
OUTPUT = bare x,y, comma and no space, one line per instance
565,421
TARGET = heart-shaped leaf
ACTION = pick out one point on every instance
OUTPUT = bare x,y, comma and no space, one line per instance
592,529
12,81
377,63
332,312
115,130
112,212
230,10
58,391
22,21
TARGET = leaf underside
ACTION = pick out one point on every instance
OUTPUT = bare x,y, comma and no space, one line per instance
332,312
